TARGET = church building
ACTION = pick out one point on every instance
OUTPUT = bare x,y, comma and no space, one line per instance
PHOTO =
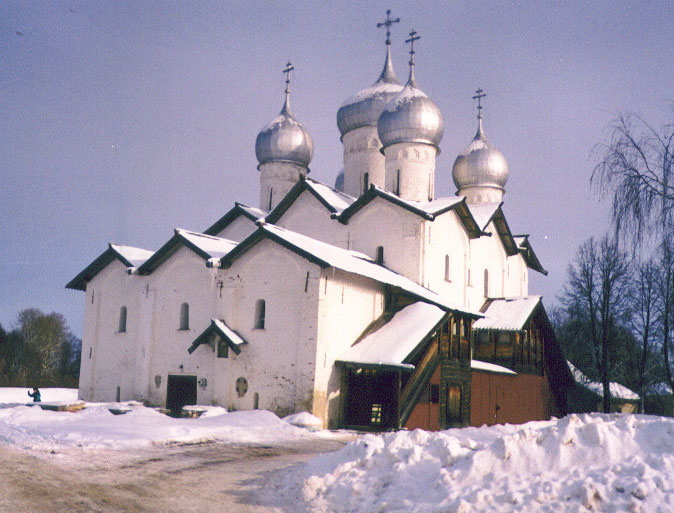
372,304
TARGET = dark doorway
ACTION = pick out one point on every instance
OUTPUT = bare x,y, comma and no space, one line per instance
372,399
181,391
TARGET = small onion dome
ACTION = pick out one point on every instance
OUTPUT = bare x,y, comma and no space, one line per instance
339,181
364,108
480,164
284,139
411,116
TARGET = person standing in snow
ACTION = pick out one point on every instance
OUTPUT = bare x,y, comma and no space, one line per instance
35,395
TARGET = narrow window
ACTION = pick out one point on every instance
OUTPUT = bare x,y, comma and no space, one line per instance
380,254
122,319
184,317
259,314
447,268
453,413
486,283
398,182
271,195
366,182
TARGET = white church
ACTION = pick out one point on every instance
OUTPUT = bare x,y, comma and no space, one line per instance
372,304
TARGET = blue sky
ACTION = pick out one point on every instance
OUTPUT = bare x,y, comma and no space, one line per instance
123,120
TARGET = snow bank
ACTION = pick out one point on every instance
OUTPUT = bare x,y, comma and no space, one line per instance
304,420
14,396
611,463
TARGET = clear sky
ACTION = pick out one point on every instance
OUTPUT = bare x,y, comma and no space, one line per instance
120,121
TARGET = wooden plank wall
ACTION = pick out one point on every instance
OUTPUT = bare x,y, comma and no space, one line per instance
519,398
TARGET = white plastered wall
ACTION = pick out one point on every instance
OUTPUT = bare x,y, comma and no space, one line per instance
410,170
276,180
342,296
362,155
308,216
238,229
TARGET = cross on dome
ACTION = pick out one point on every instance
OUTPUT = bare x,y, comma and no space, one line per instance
411,40
289,67
479,94
389,21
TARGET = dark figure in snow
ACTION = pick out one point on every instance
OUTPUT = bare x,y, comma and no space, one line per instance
35,395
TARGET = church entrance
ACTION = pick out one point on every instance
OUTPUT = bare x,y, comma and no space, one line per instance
371,399
181,391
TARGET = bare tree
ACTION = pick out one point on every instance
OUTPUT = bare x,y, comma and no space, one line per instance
597,292
666,301
636,167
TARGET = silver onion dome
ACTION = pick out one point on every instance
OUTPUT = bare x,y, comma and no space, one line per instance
284,139
411,116
480,164
364,108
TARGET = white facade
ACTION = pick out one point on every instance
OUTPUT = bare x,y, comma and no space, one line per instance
296,313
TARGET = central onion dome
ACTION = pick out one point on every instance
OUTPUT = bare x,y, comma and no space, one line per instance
480,164
364,108
284,139
411,116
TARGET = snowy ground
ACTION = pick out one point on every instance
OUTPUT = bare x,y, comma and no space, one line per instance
610,463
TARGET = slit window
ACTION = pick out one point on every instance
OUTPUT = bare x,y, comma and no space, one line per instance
447,268
271,194
486,283
366,182
260,308
184,317
122,320
380,254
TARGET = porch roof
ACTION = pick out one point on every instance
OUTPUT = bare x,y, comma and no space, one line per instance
393,343
218,329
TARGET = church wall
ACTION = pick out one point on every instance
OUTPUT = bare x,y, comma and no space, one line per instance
278,362
309,217
108,356
399,232
361,155
183,278
446,237
487,252
238,229
276,180
347,305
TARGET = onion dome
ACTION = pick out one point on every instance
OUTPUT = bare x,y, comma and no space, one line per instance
364,108
480,164
284,139
411,116
339,181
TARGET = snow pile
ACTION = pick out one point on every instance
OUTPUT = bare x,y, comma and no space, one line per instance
617,390
304,420
612,463
95,427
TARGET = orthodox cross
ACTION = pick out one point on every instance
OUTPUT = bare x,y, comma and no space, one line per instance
479,94
289,68
389,21
411,40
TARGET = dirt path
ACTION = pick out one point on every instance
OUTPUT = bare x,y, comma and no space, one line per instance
195,478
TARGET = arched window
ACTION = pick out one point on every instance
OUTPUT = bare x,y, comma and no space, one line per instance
447,268
122,319
380,255
184,316
259,314
486,283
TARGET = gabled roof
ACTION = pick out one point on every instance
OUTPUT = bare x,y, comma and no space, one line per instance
507,314
491,212
325,255
393,343
527,252
127,255
334,201
205,246
238,210
428,210
218,329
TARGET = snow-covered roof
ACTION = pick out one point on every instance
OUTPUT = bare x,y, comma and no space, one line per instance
661,388
428,210
507,314
391,344
327,255
127,255
617,390
220,329
238,210
333,200
206,246
490,367
527,252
